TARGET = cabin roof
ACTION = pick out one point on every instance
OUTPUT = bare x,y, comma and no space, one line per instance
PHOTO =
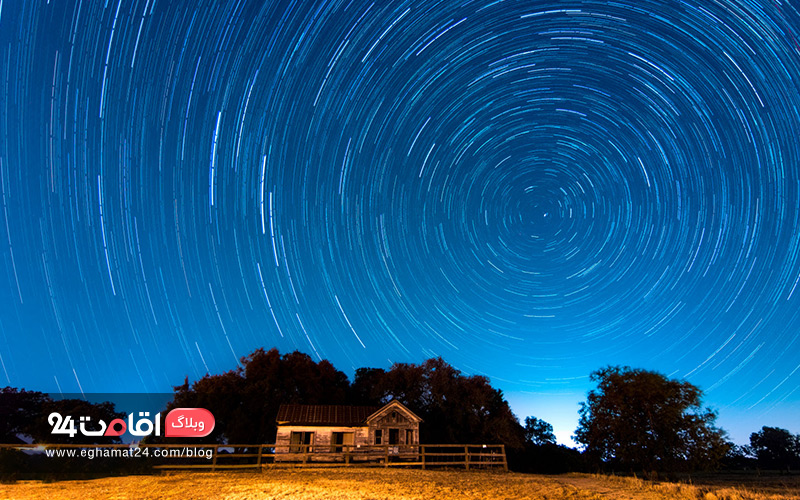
348,416
394,405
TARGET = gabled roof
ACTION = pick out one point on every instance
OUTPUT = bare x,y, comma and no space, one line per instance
393,405
348,416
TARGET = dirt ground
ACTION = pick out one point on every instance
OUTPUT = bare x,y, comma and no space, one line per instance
377,484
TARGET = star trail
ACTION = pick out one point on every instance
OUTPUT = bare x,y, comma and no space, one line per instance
531,190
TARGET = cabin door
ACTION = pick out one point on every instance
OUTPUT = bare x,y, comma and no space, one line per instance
342,441
301,442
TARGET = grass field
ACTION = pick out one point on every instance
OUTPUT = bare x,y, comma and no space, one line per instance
374,484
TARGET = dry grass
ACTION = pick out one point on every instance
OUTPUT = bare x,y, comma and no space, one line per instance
766,482
304,484
374,484
720,489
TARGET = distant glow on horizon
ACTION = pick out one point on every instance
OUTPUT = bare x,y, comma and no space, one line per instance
529,190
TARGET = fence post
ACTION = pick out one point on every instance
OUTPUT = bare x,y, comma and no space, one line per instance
505,462
260,452
422,448
214,460
387,456
466,456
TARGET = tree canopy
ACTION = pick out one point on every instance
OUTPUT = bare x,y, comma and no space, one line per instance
639,419
456,408
245,401
776,448
538,432
17,409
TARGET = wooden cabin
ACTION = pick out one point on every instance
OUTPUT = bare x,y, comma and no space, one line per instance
344,433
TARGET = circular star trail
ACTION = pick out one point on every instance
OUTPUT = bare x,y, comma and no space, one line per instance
530,190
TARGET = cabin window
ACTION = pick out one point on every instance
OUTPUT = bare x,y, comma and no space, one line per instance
409,436
394,436
341,442
378,436
301,442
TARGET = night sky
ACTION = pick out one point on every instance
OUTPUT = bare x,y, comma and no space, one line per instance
531,190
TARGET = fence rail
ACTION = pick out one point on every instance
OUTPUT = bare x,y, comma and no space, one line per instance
260,456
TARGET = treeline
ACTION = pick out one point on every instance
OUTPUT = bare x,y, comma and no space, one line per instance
456,408
770,448
633,421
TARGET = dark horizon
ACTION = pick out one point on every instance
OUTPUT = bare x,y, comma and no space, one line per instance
128,402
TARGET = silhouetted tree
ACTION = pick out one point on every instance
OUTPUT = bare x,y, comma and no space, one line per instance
18,408
368,387
738,457
776,448
245,401
639,419
222,395
538,431
542,454
456,408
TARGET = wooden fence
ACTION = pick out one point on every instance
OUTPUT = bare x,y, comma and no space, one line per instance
260,456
